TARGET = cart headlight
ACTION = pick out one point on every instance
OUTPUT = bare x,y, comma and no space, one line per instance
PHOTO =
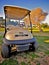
7,37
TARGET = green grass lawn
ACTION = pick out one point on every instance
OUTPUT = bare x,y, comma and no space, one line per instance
1,37
28,57
33,29
9,62
2,29
25,58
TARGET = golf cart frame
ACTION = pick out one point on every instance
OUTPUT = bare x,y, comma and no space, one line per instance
22,18
23,45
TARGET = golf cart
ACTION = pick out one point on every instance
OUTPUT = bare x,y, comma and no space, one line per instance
16,36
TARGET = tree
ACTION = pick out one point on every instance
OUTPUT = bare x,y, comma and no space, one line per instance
44,25
37,16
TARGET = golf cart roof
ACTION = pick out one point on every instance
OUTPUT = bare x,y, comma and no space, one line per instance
15,12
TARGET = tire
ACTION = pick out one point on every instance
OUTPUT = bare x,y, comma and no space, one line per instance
34,46
5,52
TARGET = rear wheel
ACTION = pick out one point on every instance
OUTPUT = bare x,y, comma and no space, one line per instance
5,52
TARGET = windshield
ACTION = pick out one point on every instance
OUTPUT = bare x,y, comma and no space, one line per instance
12,22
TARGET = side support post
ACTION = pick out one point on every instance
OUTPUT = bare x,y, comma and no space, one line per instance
5,19
30,22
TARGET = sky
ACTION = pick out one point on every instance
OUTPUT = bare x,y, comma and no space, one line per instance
46,20
29,4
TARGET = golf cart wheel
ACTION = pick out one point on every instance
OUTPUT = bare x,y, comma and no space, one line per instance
33,46
5,52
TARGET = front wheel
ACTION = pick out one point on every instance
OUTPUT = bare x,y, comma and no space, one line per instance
5,52
33,46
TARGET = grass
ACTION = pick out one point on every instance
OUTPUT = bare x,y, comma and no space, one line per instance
47,41
1,39
47,52
41,39
33,55
38,63
23,63
9,62
29,55
45,29
2,29
33,29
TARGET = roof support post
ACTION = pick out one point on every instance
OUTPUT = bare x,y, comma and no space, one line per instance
30,22
5,19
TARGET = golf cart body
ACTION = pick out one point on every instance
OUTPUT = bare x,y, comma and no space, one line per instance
16,35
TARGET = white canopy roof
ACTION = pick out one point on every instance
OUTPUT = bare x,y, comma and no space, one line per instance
13,12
